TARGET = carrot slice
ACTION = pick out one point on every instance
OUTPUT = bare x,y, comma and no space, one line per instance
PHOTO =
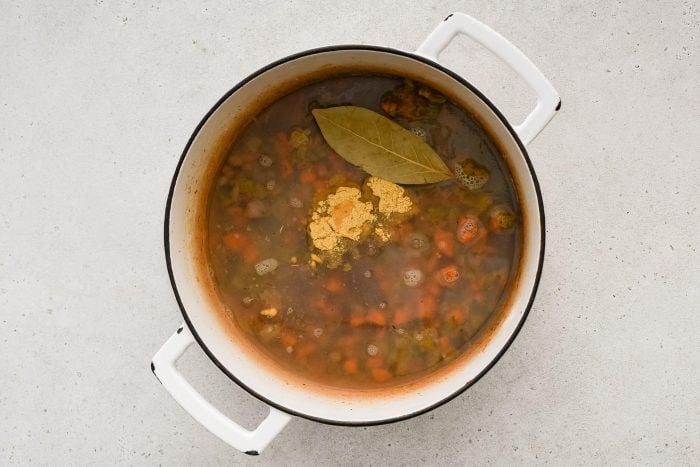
235,241
282,146
468,229
322,170
237,215
445,345
307,177
381,375
251,254
457,317
448,275
284,152
376,317
348,343
444,241
350,366
375,362
334,285
288,340
401,316
306,349
427,306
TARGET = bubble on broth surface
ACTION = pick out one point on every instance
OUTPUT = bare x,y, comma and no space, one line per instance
412,277
373,249
417,241
266,266
419,132
471,174
265,161
372,350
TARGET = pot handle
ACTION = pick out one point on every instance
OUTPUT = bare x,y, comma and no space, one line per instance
249,442
548,102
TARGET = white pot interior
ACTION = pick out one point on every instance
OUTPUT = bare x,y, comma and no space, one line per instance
223,341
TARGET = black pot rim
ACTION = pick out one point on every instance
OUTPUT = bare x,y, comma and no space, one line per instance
462,81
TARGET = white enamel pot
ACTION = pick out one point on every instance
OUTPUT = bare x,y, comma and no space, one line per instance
286,395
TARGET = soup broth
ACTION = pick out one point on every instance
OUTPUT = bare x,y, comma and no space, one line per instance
348,279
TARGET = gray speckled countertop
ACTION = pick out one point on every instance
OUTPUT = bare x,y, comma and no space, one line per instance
96,103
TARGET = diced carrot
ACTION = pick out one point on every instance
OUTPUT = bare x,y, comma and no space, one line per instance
306,349
398,232
433,261
376,317
448,275
401,316
286,168
317,300
322,170
381,375
350,366
375,362
427,306
282,146
468,229
357,320
480,245
322,305
474,260
456,316
334,285
235,241
348,342
445,345
432,287
242,158
237,215
283,151
444,241
251,254
288,340
307,177
389,106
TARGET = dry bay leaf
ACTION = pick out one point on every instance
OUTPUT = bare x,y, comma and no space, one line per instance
380,146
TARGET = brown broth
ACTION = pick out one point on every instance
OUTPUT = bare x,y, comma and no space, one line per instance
359,324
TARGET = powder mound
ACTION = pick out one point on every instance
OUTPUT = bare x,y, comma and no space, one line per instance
340,215
392,198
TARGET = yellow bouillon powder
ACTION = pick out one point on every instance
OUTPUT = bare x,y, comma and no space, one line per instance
392,198
345,215
341,214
